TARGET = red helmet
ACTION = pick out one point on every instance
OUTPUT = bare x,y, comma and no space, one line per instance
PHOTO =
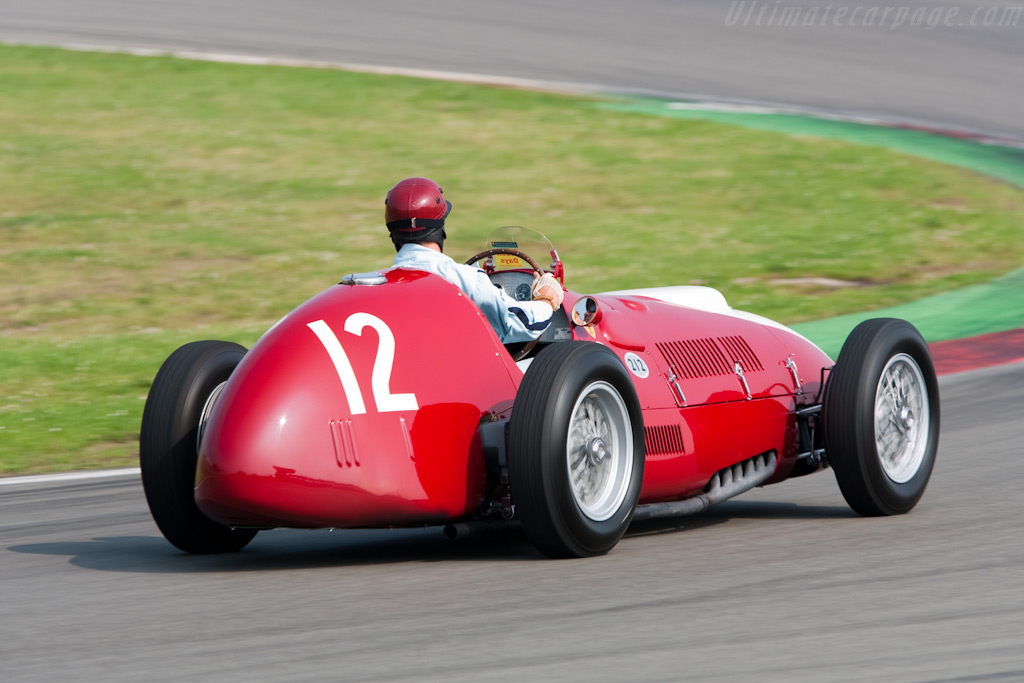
416,207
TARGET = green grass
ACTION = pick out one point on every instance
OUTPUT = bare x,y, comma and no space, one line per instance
77,403
147,202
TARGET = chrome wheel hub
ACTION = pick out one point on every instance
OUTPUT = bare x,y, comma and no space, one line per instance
901,418
906,419
599,451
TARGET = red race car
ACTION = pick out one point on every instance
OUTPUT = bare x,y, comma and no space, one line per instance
388,401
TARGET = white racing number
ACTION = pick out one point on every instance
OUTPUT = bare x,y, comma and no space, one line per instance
380,378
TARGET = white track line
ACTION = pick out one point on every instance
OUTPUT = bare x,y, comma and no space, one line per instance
256,60
64,477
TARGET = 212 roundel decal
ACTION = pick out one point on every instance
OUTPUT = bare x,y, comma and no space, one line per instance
637,365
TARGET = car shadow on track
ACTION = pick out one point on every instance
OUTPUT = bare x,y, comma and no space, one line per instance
289,549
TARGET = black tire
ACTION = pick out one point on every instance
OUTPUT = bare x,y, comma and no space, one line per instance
168,449
882,459
563,520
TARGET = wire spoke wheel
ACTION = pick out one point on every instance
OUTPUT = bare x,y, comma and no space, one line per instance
599,450
576,450
881,415
901,418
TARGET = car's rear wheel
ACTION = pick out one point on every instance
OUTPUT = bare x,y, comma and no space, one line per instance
576,450
178,404
881,416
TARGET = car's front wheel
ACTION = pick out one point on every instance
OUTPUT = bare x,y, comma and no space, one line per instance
178,404
576,450
881,417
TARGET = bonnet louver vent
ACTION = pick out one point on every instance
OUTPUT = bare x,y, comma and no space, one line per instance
709,357
695,358
737,349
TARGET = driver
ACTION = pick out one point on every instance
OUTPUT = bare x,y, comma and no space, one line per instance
415,214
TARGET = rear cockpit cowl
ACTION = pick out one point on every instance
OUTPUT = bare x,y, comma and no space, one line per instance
359,408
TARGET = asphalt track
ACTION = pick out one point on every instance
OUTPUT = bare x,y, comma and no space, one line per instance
955,74
783,584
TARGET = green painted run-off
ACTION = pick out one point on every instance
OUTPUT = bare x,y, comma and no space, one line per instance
967,312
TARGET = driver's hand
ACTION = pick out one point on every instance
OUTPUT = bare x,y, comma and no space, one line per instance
547,288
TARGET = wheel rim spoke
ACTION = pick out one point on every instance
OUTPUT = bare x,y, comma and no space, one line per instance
599,451
901,418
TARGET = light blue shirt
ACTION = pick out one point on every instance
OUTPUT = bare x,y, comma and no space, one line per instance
513,321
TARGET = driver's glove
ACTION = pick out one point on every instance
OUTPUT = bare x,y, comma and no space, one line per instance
547,288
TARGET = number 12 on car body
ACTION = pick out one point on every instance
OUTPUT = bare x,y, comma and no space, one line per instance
380,378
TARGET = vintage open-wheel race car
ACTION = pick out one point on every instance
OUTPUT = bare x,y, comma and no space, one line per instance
388,401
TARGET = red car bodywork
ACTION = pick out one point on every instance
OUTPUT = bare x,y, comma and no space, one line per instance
326,423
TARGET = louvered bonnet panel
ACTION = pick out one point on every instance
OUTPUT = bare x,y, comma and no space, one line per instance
739,350
693,358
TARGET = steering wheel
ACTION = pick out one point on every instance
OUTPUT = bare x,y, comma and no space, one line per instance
537,269
511,252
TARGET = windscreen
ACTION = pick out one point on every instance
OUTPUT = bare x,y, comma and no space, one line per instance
534,244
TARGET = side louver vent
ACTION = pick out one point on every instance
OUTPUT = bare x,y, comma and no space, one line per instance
664,439
692,358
